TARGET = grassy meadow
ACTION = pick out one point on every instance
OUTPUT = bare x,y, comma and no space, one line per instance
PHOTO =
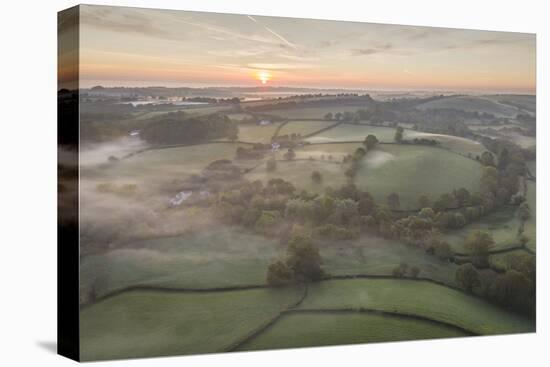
408,171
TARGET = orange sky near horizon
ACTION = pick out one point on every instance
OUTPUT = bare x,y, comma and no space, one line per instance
130,46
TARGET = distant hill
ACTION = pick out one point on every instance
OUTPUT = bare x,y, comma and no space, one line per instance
479,104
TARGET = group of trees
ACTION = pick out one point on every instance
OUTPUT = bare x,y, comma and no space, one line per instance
398,137
178,128
354,160
257,151
302,263
402,270
513,288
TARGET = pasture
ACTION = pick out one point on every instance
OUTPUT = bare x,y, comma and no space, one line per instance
419,298
473,104
304,127
351,132
220,257
156,323
155,167
253,133
298,172
378,256
502,225
314,112
304,329
410,171
335,152
198,110
456,144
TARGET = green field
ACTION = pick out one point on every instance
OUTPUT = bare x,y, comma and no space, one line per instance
195,110
252,133
419,298
149,324
350,132
502,225
320,329
304,127
323,151
454,143
378,256
239,116
411,171
312,112
221,257
472,103
158,166
526,102
299,173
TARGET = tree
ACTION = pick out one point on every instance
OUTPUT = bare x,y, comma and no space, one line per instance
442,250
459,220
370,142
393,201
398,137
234,135
414,271
478,244
487,159
462,196
489,180
467,277
303,258
366,204
271,165
338,116
524,212
279,274
445,201
400,270
328,116
427,213
513,289
268,222
316,177
290,154
299,209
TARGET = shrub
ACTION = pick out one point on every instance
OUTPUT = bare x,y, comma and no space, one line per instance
414,271
467,277
279,274
400,270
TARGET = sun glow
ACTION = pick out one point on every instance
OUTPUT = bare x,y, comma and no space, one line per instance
263,76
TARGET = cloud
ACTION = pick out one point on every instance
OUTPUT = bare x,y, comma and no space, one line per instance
277,66
288,43
128,22
371,50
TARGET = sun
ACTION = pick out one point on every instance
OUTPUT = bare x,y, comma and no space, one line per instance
263,76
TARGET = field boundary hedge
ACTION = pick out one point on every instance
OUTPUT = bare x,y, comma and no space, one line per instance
396,314
269,323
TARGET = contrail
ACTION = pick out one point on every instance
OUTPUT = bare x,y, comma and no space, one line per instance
273,32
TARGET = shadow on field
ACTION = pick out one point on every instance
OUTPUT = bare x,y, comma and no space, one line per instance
50,346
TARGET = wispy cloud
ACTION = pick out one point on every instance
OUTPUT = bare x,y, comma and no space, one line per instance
277,66
287,42
131,22
371,50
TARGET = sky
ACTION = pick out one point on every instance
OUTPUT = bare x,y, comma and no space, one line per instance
122,46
